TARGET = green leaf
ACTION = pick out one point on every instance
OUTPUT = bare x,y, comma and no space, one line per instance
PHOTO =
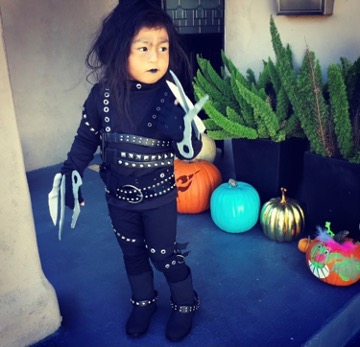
340,110
267,118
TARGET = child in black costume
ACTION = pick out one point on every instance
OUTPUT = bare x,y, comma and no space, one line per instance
133,116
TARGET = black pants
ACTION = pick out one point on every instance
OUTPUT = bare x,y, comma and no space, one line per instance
146,235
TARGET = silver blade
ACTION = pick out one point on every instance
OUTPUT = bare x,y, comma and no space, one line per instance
62,205
185,146
76,183
53,198
183,101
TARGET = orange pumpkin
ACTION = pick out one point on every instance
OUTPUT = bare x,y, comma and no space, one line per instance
304,244
195,181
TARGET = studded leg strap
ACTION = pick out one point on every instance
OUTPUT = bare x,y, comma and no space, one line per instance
144,303
184,308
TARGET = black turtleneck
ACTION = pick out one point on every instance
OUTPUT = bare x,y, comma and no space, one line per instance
99,114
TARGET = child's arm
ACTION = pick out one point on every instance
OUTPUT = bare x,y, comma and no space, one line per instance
87,139
66,186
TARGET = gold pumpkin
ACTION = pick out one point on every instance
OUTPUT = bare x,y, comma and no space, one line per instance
282,219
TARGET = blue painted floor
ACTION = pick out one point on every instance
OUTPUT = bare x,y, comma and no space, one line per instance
254,292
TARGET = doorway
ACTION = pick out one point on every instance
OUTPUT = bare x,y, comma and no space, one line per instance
201,26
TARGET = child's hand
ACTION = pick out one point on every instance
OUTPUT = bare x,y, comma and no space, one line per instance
171,121
69,195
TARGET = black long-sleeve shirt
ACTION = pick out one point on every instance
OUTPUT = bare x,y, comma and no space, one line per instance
100,115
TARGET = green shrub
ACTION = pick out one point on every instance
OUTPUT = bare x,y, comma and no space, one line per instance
241,107
329,113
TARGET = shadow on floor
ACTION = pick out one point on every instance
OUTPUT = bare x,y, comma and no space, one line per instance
254,292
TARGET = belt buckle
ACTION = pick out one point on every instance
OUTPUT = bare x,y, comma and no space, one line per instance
137,191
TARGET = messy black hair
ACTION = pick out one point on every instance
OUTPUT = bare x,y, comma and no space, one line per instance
108,56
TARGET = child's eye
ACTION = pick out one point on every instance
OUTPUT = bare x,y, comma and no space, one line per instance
163,49
142,49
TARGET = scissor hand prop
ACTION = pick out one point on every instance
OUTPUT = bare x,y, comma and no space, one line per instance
185,146
58,191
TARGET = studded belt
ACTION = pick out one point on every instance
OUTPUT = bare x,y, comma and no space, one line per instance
138,160
134,195
136,189
134,139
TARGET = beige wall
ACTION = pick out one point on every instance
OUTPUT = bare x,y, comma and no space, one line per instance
47,40
248,41
42,45
28,306
46,43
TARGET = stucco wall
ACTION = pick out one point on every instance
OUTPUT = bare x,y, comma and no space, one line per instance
47,41
46,44
29,309
248,40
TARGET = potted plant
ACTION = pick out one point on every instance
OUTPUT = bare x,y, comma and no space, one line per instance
329,115
256,114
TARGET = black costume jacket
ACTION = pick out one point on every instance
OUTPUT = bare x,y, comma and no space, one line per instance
138,160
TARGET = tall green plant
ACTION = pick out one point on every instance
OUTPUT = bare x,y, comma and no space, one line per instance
352,81
330,122
225,119
241,107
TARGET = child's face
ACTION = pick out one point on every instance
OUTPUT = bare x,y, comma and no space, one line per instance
148,61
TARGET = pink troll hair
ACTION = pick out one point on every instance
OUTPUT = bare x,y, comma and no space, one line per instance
346,247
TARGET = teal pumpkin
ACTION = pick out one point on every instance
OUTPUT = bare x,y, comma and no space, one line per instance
235,206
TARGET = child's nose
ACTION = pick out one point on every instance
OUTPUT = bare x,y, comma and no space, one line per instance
153,55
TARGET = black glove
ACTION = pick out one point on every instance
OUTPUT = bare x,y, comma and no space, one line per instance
171,121
69,195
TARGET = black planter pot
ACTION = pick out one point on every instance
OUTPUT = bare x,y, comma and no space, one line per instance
330,191
269,165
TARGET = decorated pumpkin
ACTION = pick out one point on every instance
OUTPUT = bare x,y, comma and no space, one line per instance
334,260
195,181
305,242
282,219
235,206
208,150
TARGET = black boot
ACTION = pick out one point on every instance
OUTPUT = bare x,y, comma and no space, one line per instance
144,303
184,302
